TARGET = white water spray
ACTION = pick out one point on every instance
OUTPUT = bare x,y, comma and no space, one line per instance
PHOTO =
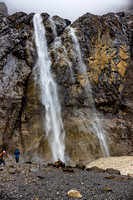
98,129
54,126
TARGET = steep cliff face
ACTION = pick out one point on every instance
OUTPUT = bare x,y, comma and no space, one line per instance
14,71
106,50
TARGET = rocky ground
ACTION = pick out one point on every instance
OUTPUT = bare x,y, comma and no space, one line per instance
29,181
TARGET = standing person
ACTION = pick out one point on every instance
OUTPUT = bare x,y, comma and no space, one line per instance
1,158
17,154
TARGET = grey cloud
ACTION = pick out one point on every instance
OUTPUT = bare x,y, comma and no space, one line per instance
70,9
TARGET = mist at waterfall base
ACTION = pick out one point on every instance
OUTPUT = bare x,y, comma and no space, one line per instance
68,9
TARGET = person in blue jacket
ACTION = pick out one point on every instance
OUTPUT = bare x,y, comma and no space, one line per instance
17,154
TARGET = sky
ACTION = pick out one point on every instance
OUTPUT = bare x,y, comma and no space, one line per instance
68,9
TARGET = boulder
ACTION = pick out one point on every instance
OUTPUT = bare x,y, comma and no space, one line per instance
67,169
108,189
80,166
13,171
33,169
74,193
95,170
110,177
112,171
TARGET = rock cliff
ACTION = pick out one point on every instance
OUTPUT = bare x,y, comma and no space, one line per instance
3,9
106,45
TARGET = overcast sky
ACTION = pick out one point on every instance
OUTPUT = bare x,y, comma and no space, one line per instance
69,9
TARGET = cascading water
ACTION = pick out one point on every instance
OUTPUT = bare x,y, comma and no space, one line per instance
53,122
53,27
97,127
58,44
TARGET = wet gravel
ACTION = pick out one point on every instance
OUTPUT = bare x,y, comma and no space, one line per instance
39,182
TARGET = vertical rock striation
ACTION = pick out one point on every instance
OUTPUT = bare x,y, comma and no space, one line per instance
14,72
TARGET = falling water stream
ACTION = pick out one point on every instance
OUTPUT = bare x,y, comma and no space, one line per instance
97,126
53,27
53,122
58,44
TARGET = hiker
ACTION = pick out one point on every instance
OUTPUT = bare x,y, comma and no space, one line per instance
17,154
1,158
59,164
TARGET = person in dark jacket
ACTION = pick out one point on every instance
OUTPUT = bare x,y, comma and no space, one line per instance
17,154
59,164
1,158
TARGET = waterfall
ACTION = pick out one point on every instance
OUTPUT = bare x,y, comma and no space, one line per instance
53,121
53,27
58,44
95,122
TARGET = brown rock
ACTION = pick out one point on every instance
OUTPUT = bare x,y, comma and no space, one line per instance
110,177
95,169
80,166
12,171
74,193
66,169
113,171
108,189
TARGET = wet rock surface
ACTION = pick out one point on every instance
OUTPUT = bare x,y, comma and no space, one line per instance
18,55
20,181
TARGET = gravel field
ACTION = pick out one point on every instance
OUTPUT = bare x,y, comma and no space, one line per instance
41,182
